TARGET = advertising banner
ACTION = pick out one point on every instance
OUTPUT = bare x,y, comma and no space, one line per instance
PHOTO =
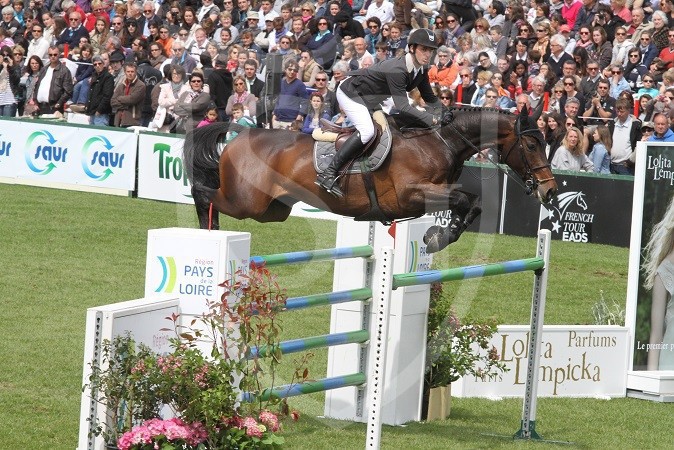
576,361
84,156
588,208
190,264
650,311
161,172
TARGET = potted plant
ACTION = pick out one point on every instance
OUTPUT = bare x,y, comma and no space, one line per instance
454,349
202,388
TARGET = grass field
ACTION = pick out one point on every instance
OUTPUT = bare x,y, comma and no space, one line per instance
63,252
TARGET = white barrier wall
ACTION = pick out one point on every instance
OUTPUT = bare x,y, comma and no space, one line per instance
407,323
144,319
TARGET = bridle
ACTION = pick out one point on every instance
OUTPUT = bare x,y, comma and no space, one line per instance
531,183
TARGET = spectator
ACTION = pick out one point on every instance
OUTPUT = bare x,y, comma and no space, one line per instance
27,84
243,96
443,73
485,64
466,88
255,85
557,55
168,96
490,98
600,108
130,32
639,25
329,97
99,35
499,42
292,98
482,85
618,81
9,23
150,78
157,57
199,43
210,117
554,133
621,47
193,101
128,98
317,111
495,14
570,155
82,79
72,34
10,75
309,68
322,43
600,156
648,88
220,86
570,11
542,45
239,117
102,86
189,24
635,71
339,71
585,38
647,130
588,84
374,36
659,36
54,86
625,132
600,50
181,58
115,66
462,9
148,18
39,45
299,35
662,131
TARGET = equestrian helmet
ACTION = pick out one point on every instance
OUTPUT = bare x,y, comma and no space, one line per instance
425,37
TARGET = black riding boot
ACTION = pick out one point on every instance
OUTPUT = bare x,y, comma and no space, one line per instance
328,179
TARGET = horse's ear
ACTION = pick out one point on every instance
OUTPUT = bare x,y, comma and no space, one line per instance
524,118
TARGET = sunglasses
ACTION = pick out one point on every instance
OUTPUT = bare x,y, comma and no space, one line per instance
196,81
117,23
648,81
634,56
306,9
465,75
321,79
584,32
373,27
384,29
569,84
291,69
439,22
623,34
74,20
451,21
445,98
98,64
593,68
54,54
326,24
37,31
559,92
615,72
645,39
479,26
182,34
570,124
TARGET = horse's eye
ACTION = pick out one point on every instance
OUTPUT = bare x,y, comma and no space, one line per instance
531,147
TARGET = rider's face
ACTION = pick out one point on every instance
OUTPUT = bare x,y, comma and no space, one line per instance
423,54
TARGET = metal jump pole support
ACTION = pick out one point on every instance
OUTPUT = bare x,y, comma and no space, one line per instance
528,425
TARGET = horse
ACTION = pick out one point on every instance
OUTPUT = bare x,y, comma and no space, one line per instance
261,173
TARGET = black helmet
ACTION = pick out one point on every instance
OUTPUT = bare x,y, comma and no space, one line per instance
425,37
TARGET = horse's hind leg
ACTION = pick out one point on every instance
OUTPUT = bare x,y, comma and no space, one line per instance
465,208
202,195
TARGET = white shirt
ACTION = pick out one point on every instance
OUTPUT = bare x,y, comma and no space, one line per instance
43,92
39,48
384,12
622,147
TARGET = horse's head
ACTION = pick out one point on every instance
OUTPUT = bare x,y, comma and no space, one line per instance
524,152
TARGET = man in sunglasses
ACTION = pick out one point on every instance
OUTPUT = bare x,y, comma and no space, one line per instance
74,32
100,94
601,107
363,91
54,85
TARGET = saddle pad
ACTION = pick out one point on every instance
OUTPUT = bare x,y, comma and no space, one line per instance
324,151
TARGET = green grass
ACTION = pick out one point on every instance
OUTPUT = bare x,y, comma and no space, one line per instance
63,252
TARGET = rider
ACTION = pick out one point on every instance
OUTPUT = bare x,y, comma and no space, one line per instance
363,90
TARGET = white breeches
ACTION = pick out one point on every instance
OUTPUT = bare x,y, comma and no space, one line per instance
358,114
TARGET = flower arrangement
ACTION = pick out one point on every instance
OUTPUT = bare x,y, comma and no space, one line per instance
202,390
454,349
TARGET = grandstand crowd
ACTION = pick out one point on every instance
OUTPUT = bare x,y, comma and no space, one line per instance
596,76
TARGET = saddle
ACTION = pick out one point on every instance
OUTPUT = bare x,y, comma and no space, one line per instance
329,138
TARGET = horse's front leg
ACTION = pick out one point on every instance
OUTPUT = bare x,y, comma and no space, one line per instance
464,207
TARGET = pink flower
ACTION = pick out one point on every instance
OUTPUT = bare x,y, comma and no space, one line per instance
252,427
270,419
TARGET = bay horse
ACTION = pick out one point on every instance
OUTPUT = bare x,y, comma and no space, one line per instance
262,173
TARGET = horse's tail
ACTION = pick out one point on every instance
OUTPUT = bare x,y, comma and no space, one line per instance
201,153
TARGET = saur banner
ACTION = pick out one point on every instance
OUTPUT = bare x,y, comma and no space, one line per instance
70,155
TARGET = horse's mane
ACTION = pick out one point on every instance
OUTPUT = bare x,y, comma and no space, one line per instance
479,109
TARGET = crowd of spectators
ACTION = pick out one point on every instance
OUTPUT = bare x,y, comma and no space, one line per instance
596,76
